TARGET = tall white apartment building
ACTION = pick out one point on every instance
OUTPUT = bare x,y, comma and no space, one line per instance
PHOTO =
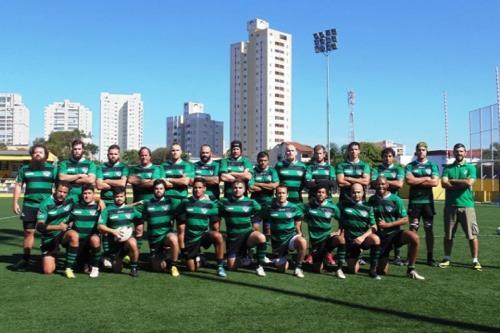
67,116
122,122
14,120
261,85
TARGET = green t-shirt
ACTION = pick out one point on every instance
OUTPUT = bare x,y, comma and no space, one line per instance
111,171
238,215
85,217
159,215
210,169
74,167
39,183
422,194
293,175
319,218
355,218
390,172
114,217
463,197
351,169
390,208
228,165
180,169
282,219
268,175
197,214
144,172
319,171
52,212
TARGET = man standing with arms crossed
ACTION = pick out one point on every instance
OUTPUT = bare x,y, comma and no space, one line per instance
77,170
235,167
422,175
458,179
352,171
208,169
292,173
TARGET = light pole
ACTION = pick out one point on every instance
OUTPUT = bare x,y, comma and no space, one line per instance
325,42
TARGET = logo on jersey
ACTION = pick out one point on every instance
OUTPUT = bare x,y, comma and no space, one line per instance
46,173
246,209
388,208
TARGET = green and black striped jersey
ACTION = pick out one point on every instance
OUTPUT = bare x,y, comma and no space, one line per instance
158,213
228,165
52,212
319,218
421,194
292,175
268,175
355,218
209,169
238,215
39,183
111,171
351,169
197,214
180,169
319,171
150,171
84,217
390,172
118,216
74,167
282,219
389,208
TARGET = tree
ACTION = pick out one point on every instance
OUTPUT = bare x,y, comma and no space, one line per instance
59,143
158,155
131,157
370,153
3,146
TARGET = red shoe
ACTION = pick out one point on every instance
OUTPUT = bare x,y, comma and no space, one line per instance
309,259
330,261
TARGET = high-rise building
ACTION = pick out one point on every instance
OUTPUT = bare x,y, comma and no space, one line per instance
195,128
14,120
67,116
122,122
261,85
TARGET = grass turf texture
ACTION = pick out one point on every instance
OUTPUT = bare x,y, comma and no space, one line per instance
454,299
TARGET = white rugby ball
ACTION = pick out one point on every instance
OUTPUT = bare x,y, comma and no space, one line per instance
125,233
498,230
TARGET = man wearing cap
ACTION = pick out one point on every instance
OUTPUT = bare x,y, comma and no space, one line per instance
235,167
457,179
422,175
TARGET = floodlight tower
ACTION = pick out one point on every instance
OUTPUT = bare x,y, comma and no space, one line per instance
351,100
325,42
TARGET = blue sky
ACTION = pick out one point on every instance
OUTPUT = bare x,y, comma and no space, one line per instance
398,56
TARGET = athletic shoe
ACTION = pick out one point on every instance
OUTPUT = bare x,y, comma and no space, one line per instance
107,263
398,261
299,273
221,272
21,265
134,272
329,259
246,261
414,275
267,260
433,263
126,260
309,259
477,266
340,274
174,271
444,263
362,261
260,271
94,272
373,274
69,273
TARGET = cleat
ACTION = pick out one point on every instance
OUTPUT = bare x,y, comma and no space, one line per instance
373,274
398,261
21,265
340,274
260,271
221,272
362,261
107,263
329,259
126,260
433,263
134,272
414,275
267,260
299,273
444,263
94,272
309,259
174,271
477,266
69,273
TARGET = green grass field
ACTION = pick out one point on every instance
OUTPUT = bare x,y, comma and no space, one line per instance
454,299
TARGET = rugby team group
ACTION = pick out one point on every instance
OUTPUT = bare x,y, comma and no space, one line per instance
259,204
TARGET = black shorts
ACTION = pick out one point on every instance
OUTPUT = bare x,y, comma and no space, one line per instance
320,249
116,249
392,241
282,250
237,247
50,248
354,250
158,249
28,216
192,250
424,211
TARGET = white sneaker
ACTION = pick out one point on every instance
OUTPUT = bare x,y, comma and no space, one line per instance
260,271
340,274
299,273
267,260
107,263
414,275
94,272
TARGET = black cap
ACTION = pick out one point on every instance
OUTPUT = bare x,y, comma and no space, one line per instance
236,144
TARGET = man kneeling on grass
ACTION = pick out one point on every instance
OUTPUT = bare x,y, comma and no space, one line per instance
201,217
390,215
112,217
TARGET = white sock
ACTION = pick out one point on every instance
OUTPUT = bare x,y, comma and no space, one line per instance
474,260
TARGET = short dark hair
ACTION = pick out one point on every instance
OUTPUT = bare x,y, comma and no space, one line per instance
239,182
321,186
262,154
144,147
159,181
200,180
115,146
86,187
63,183
352,144
459,145
119,190
39,145
77,142
387,151
281,186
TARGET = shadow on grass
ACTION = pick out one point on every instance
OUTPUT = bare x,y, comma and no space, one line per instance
401,314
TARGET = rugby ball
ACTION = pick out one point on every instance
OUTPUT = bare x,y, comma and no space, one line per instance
498,230
125,233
